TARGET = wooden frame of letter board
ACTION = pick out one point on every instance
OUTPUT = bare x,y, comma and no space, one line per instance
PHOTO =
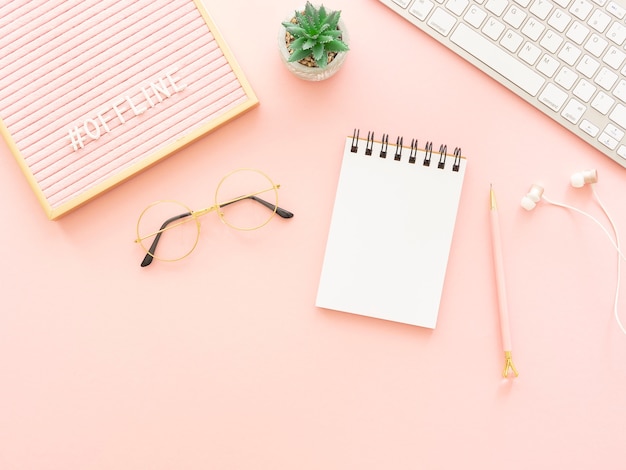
120,175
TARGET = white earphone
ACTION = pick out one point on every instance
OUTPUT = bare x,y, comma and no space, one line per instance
529,202
578,180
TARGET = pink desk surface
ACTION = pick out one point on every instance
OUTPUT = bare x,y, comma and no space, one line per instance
222,361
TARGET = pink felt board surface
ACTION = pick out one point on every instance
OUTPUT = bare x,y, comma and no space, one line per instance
222,361
93,91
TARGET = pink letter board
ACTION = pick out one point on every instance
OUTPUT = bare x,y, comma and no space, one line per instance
94,91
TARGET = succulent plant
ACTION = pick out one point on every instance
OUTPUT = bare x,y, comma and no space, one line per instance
315,35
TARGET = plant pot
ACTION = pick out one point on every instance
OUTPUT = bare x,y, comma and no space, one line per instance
306,72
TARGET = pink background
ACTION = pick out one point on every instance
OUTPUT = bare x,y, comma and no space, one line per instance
222,361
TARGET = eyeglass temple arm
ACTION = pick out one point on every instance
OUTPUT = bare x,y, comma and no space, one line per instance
150,255
284,213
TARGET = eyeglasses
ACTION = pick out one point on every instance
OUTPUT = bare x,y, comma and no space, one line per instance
175,229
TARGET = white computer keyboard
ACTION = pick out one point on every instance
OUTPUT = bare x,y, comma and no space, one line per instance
565,57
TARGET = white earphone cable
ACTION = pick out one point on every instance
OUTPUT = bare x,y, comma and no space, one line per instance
615,243
592,218
619,259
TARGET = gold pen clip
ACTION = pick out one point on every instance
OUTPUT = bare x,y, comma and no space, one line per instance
508,365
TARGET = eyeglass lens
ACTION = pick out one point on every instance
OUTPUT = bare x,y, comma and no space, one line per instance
247,199
168,231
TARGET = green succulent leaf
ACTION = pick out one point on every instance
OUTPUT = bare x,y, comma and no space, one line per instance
325,38
309,10
298,44
333,19
295,30
322,61
315,33
318,51
335,46
299,55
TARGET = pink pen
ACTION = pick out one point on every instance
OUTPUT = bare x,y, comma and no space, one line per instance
500,286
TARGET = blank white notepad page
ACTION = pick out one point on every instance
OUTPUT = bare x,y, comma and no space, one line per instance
390,234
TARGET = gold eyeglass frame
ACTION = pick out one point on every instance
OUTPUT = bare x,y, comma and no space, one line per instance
195,215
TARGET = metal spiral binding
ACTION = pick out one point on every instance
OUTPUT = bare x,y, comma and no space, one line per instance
413,150
355,141
443,150
370,144
398,154
385,144
457,159
413,154
429,153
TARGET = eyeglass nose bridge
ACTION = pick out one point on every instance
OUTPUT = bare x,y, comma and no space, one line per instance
199,213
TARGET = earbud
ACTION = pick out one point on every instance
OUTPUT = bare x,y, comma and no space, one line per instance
578,180
532,198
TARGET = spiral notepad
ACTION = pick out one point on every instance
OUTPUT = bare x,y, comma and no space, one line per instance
92,92
391,229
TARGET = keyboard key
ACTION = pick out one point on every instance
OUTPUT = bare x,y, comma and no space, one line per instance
457,6
569,53
589,128
497,59
551,41
566,78
541,9
620,90
596,45
587,66
619,115
616,10
441,21
573,111
402,3
553,97
613,131
533,29
515,16
584,90
475,16
603,103
599,21
581,9
421,8
512,41
617,33
496,6
614,57
529,53
577,32
493,28
606,78
559,20
548,65
607,140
